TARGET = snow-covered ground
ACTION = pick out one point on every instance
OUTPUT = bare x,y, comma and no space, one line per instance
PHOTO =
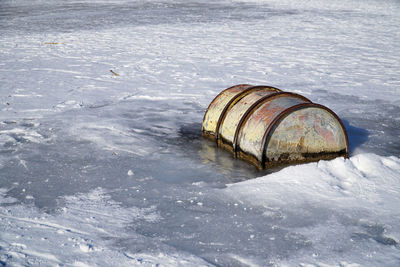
102,162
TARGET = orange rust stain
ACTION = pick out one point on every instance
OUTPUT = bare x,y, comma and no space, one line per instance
302,117
268,112
326,134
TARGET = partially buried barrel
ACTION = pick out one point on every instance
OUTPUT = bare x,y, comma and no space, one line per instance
267,127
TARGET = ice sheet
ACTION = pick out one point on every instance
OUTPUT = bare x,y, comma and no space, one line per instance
101,104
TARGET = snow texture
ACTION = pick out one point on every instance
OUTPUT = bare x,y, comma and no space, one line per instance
102,162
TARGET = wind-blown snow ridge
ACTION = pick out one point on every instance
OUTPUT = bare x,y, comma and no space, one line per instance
356,177
354,202
345,212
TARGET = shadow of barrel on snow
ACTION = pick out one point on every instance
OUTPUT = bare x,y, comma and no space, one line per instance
357,136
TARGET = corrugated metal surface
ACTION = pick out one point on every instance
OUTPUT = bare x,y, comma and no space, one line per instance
266,126
307,131
216,107
250,136
235,111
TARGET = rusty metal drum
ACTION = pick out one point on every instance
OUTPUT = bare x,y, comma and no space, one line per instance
216,108
221,104
267,127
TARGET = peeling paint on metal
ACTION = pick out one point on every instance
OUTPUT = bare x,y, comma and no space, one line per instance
230,122
250,137
216,107
306,131
268,127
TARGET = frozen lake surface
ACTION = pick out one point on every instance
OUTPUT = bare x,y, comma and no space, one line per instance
102,162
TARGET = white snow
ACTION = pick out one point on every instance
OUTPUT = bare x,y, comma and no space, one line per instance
338,213
101,157
346,209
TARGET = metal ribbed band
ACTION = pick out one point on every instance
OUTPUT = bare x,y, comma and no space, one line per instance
253,107
235,99
287,112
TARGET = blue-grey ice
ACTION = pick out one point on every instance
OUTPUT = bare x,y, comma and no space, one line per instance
102,162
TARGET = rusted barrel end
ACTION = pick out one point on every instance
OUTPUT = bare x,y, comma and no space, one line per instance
216,108
268,127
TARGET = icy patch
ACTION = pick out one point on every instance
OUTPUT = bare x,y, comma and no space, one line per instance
85,228
68,104
21,135
113,137
5,199
21,130
84,204
348,210
16,134
173,259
